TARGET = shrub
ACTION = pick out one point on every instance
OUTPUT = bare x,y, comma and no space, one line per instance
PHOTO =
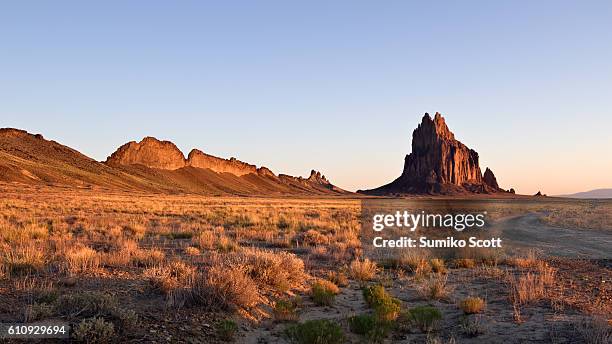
94,330
82,259
472,305
226,244
425,317
435,288
467,263
148,257
285,310
339,278
23,260
362,270
472,326
281,270
223,288
324,292
226,329
437,265
168,277
528,288
385,306
362,324
204,240
594,330
192,251
321,331
95,304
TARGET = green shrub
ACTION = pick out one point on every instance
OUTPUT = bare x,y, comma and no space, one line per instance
321,331
286,310
226,329
369,326
385,306
362,324
425,317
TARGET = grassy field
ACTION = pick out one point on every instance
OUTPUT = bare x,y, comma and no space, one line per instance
187,268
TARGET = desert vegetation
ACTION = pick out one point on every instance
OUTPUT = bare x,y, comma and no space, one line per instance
216,269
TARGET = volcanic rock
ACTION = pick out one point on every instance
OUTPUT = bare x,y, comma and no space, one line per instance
149,152
438,164
236,167
489,179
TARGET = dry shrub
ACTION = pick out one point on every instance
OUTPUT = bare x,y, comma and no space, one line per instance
528,288
594,330
546,273
338,278
472,305
121,255
280,270
362,270
148,257
223,288
192,251
435,288
204,240
81,259
313,237
530,260
467,263
226,244
23,259
438,266
168,277
323,292
411,260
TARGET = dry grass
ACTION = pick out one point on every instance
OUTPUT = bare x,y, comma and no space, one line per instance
362,270
472,305
435,288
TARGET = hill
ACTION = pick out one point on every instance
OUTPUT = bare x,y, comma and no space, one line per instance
150,165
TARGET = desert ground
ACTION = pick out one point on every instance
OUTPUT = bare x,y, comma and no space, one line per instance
143,267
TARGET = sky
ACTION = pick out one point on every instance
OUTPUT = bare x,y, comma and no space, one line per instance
336,86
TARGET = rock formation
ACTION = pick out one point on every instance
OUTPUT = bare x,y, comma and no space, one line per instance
149,152
236,167
489,179
439,164
164,155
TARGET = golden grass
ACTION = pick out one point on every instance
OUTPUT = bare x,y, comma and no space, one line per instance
472,305
363,270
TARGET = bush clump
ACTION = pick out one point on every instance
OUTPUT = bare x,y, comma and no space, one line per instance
226,329
472,305
324,292
95,331
385,306
320,331
367,325
425,317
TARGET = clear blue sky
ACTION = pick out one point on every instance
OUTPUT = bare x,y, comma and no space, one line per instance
333,85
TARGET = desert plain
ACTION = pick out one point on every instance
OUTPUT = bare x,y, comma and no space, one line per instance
137,267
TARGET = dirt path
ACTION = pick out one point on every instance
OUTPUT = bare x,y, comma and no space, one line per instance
527,231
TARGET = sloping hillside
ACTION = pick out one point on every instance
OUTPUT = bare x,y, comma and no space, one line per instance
150,165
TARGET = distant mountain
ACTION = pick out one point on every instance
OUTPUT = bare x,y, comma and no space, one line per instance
440,165
150,165
597,193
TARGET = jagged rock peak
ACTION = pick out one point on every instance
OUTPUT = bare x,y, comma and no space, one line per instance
316,176
149,152
489,178
439,164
